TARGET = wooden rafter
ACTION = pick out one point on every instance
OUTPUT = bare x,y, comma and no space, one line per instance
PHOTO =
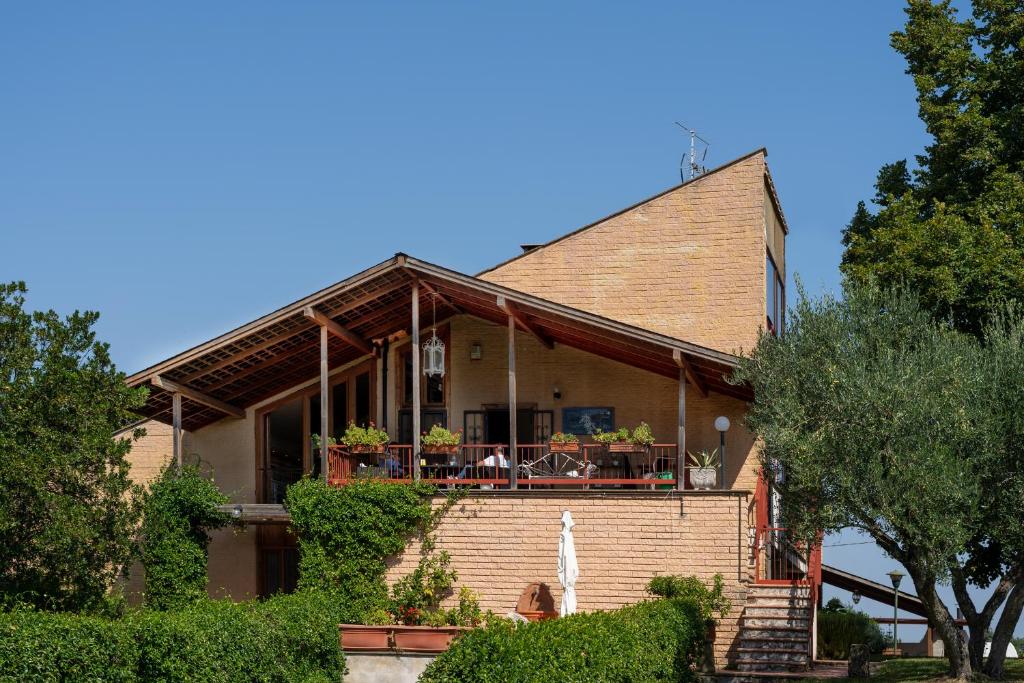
242,355
196,395
692,376
337,330
523,322
436,293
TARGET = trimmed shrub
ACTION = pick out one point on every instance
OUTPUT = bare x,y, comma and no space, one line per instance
838,629
284,639
651,641
46,646
710,602
179,510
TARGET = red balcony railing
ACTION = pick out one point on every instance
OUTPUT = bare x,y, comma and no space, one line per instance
537,466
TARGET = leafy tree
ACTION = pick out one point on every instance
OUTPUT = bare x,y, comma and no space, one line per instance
954,230
881,419
180,509
67,516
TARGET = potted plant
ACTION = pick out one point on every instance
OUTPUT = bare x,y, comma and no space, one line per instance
423,625
367,439
625,441
375,634
441,441
704,471
564,443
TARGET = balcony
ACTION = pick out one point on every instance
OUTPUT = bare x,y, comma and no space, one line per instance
536,466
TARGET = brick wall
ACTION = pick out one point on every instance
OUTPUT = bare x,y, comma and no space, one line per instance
501,542
689,263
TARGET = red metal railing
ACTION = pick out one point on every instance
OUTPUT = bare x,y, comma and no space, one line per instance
654,467
778,559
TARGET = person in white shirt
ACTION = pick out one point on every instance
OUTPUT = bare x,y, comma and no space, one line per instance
487,468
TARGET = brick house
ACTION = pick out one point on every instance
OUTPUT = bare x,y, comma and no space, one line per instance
638,317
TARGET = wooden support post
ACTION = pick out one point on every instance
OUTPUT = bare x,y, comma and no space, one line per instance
324,407
178,444
513,459
416,380
681,434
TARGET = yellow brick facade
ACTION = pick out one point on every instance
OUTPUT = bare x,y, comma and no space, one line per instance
689,263
501,543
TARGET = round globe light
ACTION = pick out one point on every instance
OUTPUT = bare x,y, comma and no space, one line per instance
722,423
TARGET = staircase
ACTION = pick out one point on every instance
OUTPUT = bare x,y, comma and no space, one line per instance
775,629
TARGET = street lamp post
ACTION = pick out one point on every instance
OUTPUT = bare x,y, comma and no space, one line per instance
722,425
895,576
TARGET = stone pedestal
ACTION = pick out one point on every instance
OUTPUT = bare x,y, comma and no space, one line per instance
860,658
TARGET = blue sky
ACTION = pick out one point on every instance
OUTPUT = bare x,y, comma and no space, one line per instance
184,168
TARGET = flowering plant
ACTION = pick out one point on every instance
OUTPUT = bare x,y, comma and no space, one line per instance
439,436
364,436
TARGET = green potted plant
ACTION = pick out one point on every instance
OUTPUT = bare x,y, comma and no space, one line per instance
440,440
623,440
704,469
367,439
564,443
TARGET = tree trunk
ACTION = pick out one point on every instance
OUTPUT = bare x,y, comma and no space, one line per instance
977,622
954,639
1004,632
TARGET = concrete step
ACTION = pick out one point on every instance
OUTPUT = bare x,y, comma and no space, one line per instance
790,632
769,621
769,589
776,610
769,599
779,644
772,655
763,667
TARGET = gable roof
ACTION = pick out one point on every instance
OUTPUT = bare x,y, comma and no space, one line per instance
281,349
535,248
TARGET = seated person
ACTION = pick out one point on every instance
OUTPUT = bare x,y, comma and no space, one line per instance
488,468
392,467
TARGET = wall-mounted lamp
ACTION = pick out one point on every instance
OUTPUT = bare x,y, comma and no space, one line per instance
236,512
476,351
556,392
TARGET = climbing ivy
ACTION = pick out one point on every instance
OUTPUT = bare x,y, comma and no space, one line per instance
179,510
345,534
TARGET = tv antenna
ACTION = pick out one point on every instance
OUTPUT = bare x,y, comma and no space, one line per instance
696,168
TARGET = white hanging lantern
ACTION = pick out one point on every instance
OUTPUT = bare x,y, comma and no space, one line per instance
433,353
433,357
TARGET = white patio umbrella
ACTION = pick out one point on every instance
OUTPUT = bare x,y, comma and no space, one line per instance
568,568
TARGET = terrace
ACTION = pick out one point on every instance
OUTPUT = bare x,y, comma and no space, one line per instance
354,352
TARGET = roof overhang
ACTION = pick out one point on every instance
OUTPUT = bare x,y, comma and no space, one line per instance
279,351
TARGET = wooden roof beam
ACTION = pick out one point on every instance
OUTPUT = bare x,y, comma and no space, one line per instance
524,322
196,395
337,330
691,375
435,292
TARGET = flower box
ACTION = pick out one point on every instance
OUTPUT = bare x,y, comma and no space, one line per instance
425,638
625,447
440,450
360,449
565,447
358,637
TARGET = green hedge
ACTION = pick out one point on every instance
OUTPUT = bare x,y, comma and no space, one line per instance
286,638
838,629
651,641
43,646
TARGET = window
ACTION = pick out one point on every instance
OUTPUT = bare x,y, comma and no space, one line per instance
431,388
363,399
775,295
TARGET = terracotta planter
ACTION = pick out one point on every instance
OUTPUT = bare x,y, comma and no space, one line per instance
625,447
425,638
357,637
569,447
440,450
365,449
538,616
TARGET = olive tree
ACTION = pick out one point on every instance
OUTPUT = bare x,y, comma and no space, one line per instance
883,420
